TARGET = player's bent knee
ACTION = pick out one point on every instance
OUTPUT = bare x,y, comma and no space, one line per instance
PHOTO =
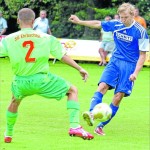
103,87
73,93
73,90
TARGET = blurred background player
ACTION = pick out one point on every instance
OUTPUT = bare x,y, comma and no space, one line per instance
107,44
29,53
125,64
3,24
139,19
116,17
41,23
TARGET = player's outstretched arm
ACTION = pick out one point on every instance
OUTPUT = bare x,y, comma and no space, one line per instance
66,59
89,23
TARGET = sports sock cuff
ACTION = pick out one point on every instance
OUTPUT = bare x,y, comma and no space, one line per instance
100,125
114,107
98,94
96,99
71,104
10,114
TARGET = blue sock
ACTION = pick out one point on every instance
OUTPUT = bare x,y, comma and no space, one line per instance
114,111
96,99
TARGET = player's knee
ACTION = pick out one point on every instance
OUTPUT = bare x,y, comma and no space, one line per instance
74,90
103,87
119,95
101,50
73,93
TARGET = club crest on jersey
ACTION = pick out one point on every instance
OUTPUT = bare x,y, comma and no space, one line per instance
125,31
124,37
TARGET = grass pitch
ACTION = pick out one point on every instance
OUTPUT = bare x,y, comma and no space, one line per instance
43,124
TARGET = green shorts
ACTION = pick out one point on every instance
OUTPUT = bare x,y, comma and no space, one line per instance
46,85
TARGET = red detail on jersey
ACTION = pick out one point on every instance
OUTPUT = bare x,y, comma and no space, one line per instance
31,47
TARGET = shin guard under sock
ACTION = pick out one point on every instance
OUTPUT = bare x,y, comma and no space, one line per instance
11,119
73,109
96,99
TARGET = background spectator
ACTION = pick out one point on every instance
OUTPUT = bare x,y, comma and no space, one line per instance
3,24
116,17
139,19
42,23
107,44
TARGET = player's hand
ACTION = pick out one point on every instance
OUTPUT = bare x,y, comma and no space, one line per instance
132,77
84,74
74,19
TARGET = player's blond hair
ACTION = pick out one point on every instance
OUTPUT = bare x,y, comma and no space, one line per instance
126,6
26,15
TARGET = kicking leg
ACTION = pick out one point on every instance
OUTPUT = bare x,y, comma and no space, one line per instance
96,99
114,106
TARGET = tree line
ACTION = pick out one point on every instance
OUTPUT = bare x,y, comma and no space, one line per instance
59,11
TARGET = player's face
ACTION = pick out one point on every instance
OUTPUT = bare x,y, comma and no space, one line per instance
126,18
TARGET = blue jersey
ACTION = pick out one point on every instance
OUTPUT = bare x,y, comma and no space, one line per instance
129,40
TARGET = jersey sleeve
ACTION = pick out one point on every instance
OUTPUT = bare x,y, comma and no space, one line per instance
3,48
108,25
56,48
144,45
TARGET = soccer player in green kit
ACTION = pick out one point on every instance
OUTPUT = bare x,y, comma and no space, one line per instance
29,52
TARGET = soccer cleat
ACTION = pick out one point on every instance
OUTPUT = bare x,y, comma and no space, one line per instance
80,132
88,117
99,131
7,139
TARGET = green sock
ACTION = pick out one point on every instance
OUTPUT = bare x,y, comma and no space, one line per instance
73,109
11,119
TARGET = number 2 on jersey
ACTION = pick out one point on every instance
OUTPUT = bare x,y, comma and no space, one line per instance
31,47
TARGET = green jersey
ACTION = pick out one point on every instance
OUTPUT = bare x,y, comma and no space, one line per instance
29,51
107,36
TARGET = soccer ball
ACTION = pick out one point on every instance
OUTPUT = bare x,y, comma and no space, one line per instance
102,112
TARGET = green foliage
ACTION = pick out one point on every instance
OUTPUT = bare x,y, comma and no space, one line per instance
100,14
60,10
60,25
15,5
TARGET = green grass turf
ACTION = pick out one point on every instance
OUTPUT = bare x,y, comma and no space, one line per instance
43,124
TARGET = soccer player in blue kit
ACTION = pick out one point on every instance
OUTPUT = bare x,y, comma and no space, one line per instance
132,42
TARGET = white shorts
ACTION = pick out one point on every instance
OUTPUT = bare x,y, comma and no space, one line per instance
107,46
